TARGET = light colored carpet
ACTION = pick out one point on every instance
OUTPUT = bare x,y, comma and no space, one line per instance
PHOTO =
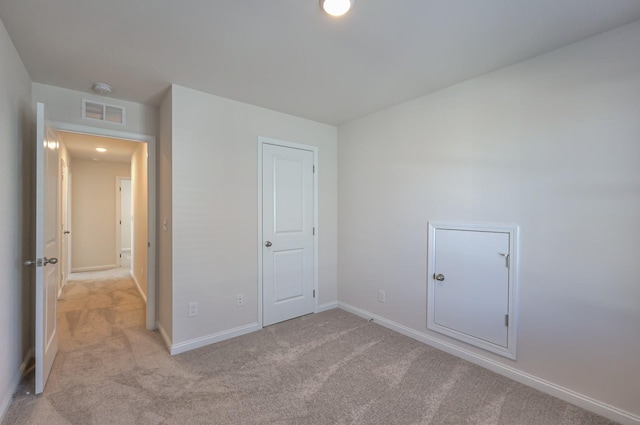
327,368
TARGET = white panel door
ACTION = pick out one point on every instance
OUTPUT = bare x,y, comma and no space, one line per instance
47,274
287,233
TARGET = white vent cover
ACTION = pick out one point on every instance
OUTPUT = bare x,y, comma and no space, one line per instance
101,111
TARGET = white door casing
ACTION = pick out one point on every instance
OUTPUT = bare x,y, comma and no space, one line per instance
472,284
47,238
288,242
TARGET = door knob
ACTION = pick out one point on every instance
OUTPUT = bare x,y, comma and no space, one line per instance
439,277
52,260
268,244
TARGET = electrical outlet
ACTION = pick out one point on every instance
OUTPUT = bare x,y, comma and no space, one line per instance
239,300
382,296
193,309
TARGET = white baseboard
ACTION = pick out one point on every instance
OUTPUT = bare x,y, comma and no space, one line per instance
135,279
6,399
211,339
327,306
94,268
550,388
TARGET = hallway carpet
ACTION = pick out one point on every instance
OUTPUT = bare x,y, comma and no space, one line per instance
326,368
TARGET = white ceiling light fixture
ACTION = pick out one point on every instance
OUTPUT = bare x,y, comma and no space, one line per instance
101,149
336,7
102,88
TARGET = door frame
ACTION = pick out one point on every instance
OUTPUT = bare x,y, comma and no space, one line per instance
119,180
268,141
65,224
151,322
512,329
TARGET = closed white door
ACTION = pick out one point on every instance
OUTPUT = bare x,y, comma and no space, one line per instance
125,221
471,285
287,237
47,274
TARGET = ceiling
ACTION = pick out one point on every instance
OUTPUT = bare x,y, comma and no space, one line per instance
83,146
287,55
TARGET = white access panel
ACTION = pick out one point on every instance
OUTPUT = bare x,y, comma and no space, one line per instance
472,284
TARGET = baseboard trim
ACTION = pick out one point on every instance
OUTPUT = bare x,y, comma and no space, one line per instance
213,338
326,306
135,279
570,396
94,268
164,336
8,398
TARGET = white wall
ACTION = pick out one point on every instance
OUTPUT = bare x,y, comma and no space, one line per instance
215,198
15,216
551,144
65,105
164,300
93,199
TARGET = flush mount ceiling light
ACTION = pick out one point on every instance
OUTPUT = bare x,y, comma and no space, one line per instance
336,7
102,88
101,149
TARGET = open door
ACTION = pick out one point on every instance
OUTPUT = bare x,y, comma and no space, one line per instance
47,274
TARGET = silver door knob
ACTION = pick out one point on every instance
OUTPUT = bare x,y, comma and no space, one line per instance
439,277
29,263
52,260
268,244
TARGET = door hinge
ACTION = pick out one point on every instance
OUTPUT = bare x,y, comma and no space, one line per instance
120,255
314,293
506,320
120,189
148,244
314,168
314,231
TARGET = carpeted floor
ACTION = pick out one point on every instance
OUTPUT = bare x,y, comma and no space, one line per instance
326,368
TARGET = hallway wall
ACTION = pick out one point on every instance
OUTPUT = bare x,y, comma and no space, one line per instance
93,198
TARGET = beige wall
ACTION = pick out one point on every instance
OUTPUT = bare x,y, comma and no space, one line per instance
93,232
214,164
16,215
139,185
551,144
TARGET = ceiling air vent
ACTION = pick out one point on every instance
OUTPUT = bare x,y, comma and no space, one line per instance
102,112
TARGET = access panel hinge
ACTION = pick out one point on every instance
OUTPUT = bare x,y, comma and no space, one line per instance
314,293
506,320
